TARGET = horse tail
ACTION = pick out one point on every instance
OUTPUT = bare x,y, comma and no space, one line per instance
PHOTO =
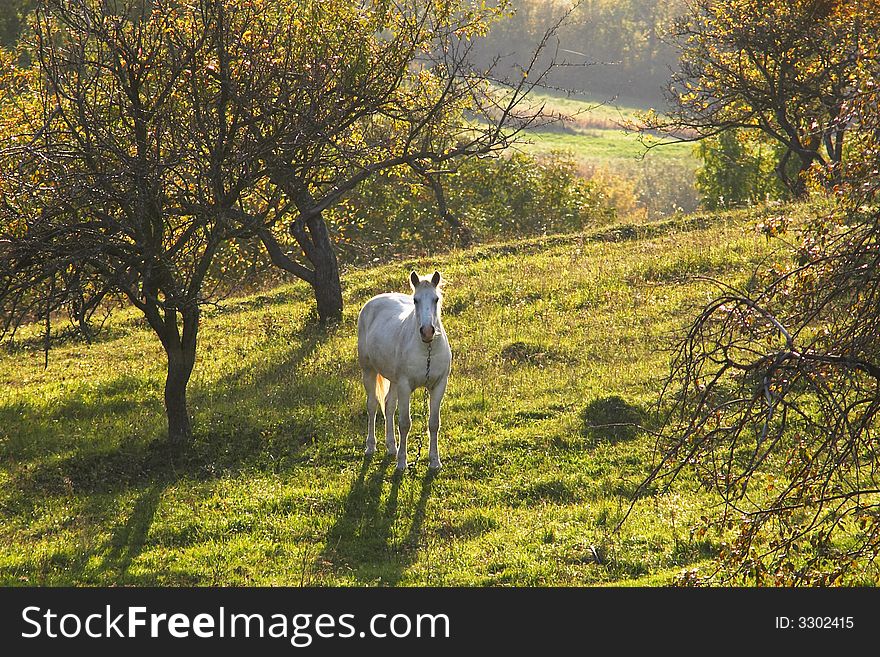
382,385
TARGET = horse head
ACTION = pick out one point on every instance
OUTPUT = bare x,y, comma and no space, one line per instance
426,298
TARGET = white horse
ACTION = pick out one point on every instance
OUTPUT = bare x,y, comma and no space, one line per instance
402,346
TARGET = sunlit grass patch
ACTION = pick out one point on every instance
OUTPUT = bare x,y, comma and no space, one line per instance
560,348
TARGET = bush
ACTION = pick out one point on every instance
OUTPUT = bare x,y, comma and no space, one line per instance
494,198
738,169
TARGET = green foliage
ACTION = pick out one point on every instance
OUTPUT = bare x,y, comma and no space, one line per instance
738,169
519,195
12,15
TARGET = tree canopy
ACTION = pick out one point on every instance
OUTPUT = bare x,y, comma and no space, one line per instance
785,68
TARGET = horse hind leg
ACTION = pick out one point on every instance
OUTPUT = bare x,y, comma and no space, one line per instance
369,379
390,407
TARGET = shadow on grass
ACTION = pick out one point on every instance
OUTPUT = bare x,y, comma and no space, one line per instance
35,430
249,388
223,441
86,560
128,539
362,541
95,475
614,419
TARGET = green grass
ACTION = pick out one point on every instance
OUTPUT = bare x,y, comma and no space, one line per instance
595,133
608,147
550,336
595,136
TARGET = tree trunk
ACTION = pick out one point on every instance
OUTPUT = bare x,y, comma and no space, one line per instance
180,348
795,184
327,287
799,184
324,278
180,366
328,293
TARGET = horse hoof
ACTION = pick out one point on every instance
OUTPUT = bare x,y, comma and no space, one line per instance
401,467
370,450
435,466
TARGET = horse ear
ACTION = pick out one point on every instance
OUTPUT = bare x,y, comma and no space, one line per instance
435,279
414,279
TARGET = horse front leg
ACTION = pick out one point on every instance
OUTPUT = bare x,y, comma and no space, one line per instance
390,407
434,424
404,422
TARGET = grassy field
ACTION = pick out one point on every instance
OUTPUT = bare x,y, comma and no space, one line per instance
594,135
550,337
598,131
612,147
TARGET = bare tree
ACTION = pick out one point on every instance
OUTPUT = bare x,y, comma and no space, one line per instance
775,389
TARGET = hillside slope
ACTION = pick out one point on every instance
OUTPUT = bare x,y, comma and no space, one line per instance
550,336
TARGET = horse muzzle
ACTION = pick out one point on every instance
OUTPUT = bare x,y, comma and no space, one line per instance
427,333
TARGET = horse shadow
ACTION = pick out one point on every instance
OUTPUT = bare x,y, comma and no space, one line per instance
370,539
